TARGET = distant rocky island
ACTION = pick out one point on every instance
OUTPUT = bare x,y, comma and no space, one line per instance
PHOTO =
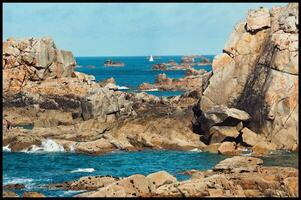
187,62
248,101
110,63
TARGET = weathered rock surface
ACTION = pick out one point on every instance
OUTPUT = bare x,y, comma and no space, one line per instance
251,138
157,124
33,194
86,183
228,148
220,134
133,186
34,59
263,148
238,164
13,186
9,194
258,73
161,178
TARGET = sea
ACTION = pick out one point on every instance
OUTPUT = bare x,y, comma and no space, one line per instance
137,69
51,164
37,169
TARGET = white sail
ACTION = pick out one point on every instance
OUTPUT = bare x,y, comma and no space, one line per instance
151,59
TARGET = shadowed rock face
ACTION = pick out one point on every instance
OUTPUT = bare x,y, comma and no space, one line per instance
258,73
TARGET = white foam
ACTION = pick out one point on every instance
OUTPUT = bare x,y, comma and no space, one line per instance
47,145
122,87
6,148
72,148
14,180
150,90
196,149
245,149
246,154
89,170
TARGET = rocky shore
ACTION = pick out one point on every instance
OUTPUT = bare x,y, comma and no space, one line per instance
239,176
193,80
249,100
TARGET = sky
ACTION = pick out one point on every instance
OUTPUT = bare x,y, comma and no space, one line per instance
128,29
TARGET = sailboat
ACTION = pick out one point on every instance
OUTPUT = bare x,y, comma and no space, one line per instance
151,59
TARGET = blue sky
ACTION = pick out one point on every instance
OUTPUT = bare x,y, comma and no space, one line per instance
112,29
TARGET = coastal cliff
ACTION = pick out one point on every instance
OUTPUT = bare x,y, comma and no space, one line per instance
249,100
258,73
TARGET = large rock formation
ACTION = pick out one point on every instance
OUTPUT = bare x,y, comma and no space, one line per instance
34,59
40,78
74,113
258,73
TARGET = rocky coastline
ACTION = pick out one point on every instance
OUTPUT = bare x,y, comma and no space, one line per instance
249,100
187,62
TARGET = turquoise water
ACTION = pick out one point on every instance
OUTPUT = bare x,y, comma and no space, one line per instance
137,70
37,169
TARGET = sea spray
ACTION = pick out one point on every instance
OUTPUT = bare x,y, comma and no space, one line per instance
196,150
6,148
122,87
72,148
83,170
47,145
150,90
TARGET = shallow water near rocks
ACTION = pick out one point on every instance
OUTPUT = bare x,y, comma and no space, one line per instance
37,169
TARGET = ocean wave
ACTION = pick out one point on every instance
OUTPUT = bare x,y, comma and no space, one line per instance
29,183
72,148
6,148
13,180
196,150
150,90
122,87
48,145
83,170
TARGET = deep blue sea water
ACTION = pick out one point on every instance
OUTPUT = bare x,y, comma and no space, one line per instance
37,169
137,70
